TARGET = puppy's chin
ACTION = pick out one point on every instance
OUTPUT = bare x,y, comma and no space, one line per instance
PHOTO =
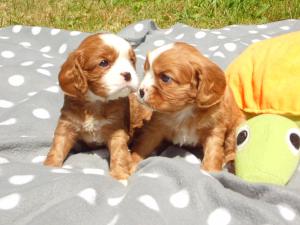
121,93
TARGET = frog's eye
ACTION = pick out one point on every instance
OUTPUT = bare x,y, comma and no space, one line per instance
242,136
293,140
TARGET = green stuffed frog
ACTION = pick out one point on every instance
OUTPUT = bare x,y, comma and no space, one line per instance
268,149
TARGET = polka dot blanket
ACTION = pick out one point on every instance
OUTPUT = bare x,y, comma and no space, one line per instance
166,189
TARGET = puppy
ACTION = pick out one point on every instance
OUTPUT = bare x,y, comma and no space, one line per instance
192,105
96,79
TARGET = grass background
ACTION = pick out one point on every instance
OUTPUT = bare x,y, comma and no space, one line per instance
113,15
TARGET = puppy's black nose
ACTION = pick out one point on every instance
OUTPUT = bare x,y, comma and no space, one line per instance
142,93
126,75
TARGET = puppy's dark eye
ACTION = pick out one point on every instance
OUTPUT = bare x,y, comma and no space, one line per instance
103,63
165,78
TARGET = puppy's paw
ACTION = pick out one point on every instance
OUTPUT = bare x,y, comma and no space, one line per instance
211,167
53,162
120,174
133,167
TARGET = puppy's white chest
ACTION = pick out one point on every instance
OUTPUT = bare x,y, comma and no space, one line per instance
184,129
186,136
92,127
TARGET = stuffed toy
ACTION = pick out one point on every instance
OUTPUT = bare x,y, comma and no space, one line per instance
267,149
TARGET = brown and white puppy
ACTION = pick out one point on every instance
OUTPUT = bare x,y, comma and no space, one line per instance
192,105
96,79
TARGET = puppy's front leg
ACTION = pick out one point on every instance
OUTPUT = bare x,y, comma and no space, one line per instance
120,158
64,139
145,145
213,154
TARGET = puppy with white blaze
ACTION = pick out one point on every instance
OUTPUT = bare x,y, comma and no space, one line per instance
192,106
96,79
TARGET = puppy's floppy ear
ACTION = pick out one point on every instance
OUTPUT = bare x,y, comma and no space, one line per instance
211,83
71,76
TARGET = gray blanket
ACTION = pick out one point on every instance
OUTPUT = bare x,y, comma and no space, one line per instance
166,189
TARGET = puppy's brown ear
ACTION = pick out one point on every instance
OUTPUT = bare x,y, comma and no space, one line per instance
211,83
71,76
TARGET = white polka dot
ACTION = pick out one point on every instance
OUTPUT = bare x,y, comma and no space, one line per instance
252,31
286,212
45,49
220,216
139,27
41,113
10,121
93,171
114,220
21,179
36,30
27,63
266,36
230,46
216,32
89,195
221,37
25,44
180,36
6,104
48,56
16,80
7,54
219,54
180,199
285,28
54,31
200,35
32,93
123,182
168,31
149,202
62,48
4,37
38,159
9,201
262,26
44,72
75,33
16,28
59,170
3,160
158,43
67,167
226,28
213,48
190,158
255,40
115,201
45,65
53,89
150,175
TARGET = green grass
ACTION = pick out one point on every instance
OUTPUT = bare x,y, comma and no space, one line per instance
113,15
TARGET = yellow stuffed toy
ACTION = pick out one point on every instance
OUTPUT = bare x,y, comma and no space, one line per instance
265,78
